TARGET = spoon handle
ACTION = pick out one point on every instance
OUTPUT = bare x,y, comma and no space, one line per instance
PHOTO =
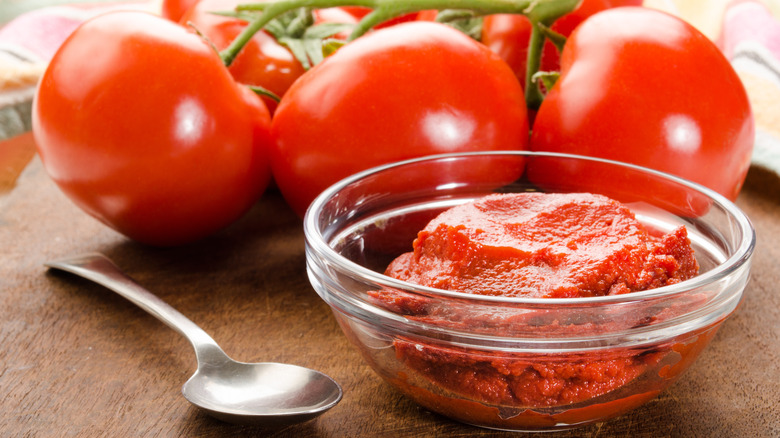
101,270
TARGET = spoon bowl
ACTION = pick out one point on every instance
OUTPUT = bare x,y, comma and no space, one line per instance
272,394
266,394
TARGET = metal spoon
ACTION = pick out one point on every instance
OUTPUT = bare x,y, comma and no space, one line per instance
267,394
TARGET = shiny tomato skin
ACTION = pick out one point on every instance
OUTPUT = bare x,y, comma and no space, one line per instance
175,9
405,91
140,124
509,34
641,86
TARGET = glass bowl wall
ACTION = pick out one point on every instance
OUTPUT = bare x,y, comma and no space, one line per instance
514,363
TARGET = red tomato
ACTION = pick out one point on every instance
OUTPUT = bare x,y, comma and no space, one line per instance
641,86
361,11
509,34
262,61
408,90
175,9
141,125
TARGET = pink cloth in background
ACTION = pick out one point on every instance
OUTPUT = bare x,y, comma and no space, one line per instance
750,38
40,32
749,21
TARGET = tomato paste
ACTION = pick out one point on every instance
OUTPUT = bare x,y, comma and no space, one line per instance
538,246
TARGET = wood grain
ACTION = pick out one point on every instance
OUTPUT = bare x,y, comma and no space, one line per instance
77,360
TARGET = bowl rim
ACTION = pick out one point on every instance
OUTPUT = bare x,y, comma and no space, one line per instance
741,255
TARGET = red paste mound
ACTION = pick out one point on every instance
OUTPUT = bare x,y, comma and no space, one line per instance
544,246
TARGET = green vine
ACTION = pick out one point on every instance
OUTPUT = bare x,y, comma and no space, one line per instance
541,13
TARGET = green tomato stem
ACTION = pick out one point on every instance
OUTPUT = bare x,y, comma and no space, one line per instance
554,37
541,18
533,94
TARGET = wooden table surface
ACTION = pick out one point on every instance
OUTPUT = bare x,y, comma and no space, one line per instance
77,360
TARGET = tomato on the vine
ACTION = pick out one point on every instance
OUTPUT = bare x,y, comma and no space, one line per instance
644,87
139,122
262,61
409,90
509,34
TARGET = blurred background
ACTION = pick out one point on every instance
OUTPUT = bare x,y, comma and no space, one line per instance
10,9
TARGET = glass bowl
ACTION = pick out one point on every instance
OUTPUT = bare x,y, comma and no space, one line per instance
521,364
